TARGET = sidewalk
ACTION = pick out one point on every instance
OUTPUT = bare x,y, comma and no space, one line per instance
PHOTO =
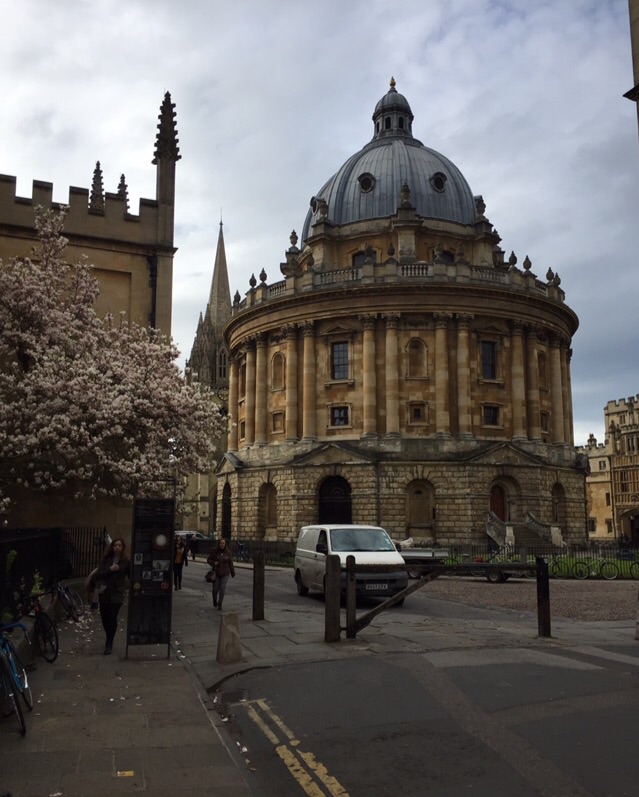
103,725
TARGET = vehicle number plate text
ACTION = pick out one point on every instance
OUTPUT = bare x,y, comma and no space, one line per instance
376,586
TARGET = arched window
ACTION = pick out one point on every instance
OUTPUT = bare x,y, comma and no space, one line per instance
401,122
417,365
359,258
387,123
277,372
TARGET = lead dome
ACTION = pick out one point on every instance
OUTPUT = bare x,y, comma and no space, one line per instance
368,186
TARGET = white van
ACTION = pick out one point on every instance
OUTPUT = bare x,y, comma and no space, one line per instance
370,545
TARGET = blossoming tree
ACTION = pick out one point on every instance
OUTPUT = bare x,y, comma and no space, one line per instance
89,406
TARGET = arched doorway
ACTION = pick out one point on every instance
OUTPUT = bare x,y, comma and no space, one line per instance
420,509
559,506
226,511
267,510
499,502
335,501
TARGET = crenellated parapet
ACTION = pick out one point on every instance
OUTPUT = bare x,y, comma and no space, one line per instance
623,404
132,253
114,222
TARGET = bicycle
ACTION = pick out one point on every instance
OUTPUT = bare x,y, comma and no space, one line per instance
559,567
13,676
70,600
597,566
45,631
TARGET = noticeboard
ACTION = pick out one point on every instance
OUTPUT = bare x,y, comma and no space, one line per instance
151,577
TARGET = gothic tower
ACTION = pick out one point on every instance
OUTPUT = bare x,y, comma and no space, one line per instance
208,363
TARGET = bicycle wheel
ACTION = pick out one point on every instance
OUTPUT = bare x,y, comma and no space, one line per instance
581,570
634,569
609,570
76,600
23,681
46,637
11,693
64,598
558,569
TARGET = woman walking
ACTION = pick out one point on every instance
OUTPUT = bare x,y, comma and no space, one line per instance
180,558
221,561
110,575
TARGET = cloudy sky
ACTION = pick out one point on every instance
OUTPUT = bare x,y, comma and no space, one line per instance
272,96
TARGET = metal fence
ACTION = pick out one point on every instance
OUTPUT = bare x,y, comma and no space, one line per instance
31,557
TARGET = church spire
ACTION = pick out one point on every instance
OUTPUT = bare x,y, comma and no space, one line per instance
219,308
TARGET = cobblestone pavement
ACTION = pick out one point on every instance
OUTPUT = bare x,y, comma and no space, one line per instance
578,600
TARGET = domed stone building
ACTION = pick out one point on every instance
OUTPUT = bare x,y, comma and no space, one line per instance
402,372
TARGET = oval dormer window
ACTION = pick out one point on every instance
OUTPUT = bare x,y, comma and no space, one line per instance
438,181
366,182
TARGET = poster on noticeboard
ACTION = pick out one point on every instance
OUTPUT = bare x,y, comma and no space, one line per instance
151,579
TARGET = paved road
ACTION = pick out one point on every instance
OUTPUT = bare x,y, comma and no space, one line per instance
436,698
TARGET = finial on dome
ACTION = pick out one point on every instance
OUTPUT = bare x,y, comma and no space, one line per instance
392,84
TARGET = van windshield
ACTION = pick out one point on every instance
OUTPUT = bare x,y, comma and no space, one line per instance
360,540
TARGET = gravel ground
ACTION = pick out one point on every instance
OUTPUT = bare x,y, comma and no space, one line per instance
579,600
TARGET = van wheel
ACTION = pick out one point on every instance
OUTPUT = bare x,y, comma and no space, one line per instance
301,589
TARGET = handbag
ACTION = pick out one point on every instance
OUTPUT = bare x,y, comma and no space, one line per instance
210,576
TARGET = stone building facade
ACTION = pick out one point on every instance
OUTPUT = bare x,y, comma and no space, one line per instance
613,481
133,258
403,372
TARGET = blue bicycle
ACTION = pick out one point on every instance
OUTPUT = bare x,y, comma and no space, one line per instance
13,677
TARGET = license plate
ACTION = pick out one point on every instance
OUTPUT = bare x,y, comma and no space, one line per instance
377,586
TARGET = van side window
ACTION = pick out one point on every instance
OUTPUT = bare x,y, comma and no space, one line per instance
322,539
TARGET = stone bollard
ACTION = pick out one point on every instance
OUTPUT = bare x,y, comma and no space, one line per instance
229,647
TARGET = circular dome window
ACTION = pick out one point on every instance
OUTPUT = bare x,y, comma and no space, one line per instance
366,182
438,181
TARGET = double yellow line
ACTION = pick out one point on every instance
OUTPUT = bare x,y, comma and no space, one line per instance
312,776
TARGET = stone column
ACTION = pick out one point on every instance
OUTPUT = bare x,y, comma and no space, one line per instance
260,391
309,386
517,381
392,376
556,391
233,408
249,398
291,382
567,382
442,412
369,379
464,404
534,427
